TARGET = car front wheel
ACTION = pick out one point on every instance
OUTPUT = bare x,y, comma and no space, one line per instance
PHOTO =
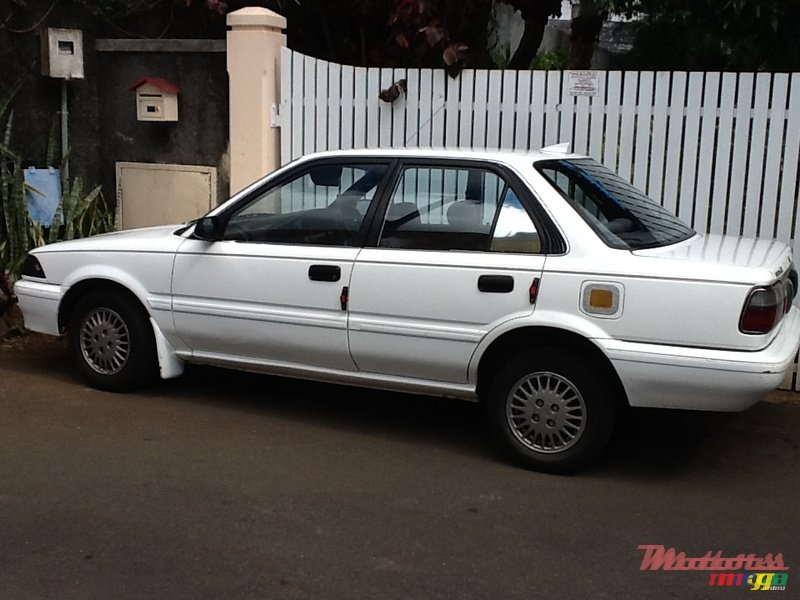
551,409
111,341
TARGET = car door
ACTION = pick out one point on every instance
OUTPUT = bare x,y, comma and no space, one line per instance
268,291
457,255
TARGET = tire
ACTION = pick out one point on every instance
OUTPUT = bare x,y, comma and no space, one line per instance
551,409
111,342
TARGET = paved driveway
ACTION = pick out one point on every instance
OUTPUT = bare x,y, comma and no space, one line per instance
224,485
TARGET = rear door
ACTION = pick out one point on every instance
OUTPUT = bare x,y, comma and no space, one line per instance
457,253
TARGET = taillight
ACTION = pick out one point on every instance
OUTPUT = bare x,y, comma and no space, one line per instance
791,288
764,309
788,295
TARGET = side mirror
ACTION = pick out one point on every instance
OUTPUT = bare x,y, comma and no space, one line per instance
208,229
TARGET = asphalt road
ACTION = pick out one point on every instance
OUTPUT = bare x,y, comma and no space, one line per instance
224,485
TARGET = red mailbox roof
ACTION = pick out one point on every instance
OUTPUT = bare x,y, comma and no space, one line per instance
162,84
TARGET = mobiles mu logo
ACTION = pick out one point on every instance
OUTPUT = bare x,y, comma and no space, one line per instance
759,573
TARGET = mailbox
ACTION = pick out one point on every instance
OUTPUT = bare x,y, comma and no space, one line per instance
62,53
156,99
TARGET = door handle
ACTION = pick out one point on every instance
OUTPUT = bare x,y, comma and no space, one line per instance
324,273
496,284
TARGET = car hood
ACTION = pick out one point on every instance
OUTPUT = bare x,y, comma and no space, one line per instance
149,238
727,253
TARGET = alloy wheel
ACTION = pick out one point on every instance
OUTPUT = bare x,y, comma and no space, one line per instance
105,341
546,412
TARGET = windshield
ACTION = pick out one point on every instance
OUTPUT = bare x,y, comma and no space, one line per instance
620,214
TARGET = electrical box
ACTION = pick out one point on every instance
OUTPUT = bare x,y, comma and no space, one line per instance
156,99
62,53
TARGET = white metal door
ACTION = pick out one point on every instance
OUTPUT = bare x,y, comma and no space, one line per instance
263,303
421,314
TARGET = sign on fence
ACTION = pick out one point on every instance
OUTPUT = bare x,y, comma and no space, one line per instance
583,83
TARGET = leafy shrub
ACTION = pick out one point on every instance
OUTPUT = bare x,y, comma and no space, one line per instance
79,213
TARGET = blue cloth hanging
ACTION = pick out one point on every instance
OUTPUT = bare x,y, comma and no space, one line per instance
44,198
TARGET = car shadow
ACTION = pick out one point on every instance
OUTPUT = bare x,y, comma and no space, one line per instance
647,443
443,422
651,442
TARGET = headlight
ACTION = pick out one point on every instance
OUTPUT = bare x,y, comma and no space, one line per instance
32,267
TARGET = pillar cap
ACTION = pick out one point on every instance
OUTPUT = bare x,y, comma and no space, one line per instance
255,16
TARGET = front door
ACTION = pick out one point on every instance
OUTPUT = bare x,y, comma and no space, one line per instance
270,291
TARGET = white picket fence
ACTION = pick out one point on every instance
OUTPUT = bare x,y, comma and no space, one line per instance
720,150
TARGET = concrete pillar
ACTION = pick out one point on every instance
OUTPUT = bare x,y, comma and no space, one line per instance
255,39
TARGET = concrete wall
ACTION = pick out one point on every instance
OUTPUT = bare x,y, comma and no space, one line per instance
199,137
103,129
37,104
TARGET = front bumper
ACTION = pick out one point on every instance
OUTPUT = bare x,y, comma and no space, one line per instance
702,379
39,304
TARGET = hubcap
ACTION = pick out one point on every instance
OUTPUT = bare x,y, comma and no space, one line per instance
546,412
105,341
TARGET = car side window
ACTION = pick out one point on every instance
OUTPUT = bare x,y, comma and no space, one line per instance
465,208
514,230
574,190
323,205
622,215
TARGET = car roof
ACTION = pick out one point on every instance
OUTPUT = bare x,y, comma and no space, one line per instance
511,157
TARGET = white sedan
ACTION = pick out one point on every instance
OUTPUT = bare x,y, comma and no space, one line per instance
540,284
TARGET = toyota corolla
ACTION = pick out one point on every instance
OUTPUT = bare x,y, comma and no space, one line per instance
540,284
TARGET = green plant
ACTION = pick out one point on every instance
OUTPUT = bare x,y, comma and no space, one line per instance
79,213
14,240
500,57
554,60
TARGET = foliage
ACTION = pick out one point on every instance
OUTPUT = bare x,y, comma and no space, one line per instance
743,35
404,33
79,213
585,29
13,208
736,35
408,33
554,60
118,8
500,58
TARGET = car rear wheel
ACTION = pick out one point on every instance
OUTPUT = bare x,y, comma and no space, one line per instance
111,342
551,409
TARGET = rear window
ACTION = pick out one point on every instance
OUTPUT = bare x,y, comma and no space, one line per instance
620,214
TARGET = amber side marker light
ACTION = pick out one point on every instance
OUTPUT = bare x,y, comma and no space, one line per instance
599,298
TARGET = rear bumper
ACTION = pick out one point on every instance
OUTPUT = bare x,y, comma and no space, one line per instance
701,379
